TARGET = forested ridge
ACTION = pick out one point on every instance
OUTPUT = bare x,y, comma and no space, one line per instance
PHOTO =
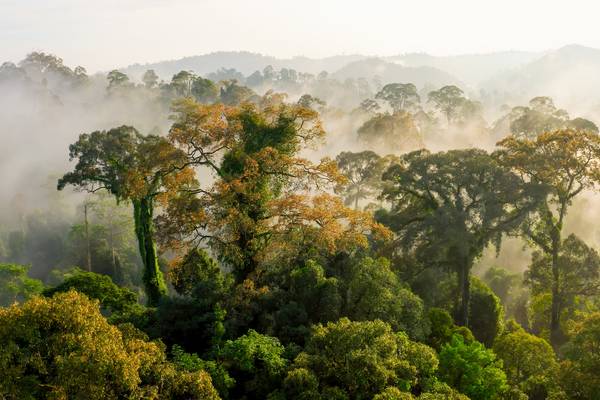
287,235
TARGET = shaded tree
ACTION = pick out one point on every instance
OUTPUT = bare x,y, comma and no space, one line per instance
447,207
579,371
578,269
15,285
112,298
565,162
256,362
486,313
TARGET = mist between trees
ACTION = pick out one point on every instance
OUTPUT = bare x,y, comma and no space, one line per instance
285,234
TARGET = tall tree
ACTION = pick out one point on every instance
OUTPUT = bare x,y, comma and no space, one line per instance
447,207
528,361
400,96
363,171
578,274
133,167
117,79
204,90
541,115
262,187
396,131
447,100
150,79
182,82
566,163
232,93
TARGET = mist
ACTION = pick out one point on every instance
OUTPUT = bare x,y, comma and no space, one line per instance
45,105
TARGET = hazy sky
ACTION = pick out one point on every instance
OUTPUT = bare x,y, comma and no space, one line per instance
103,34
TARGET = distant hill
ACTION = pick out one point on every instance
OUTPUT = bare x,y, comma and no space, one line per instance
569,75
244,62
392,72
470,68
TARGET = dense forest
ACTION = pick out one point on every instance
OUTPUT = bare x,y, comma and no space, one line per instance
284,234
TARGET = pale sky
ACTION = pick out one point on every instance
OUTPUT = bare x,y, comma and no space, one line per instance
100,35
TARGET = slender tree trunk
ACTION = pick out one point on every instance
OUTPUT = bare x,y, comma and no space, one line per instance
144,230
465,291
87,237
113,253
555,331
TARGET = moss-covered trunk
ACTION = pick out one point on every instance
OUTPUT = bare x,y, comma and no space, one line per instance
144,230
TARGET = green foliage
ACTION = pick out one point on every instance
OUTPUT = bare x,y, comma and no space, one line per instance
204,90
578,276
312,297
234,94
100,287
15,285
199,276
336,352
579,372
528,361
305,298
133,167
442,329
192,363
486,313
447,207
256,363
375,292
393,393
189,322
62,347
117,79
472,369
362,289
566,163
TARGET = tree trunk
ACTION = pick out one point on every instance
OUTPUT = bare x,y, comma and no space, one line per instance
464,283
555,331
113,253
87,238
144,230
